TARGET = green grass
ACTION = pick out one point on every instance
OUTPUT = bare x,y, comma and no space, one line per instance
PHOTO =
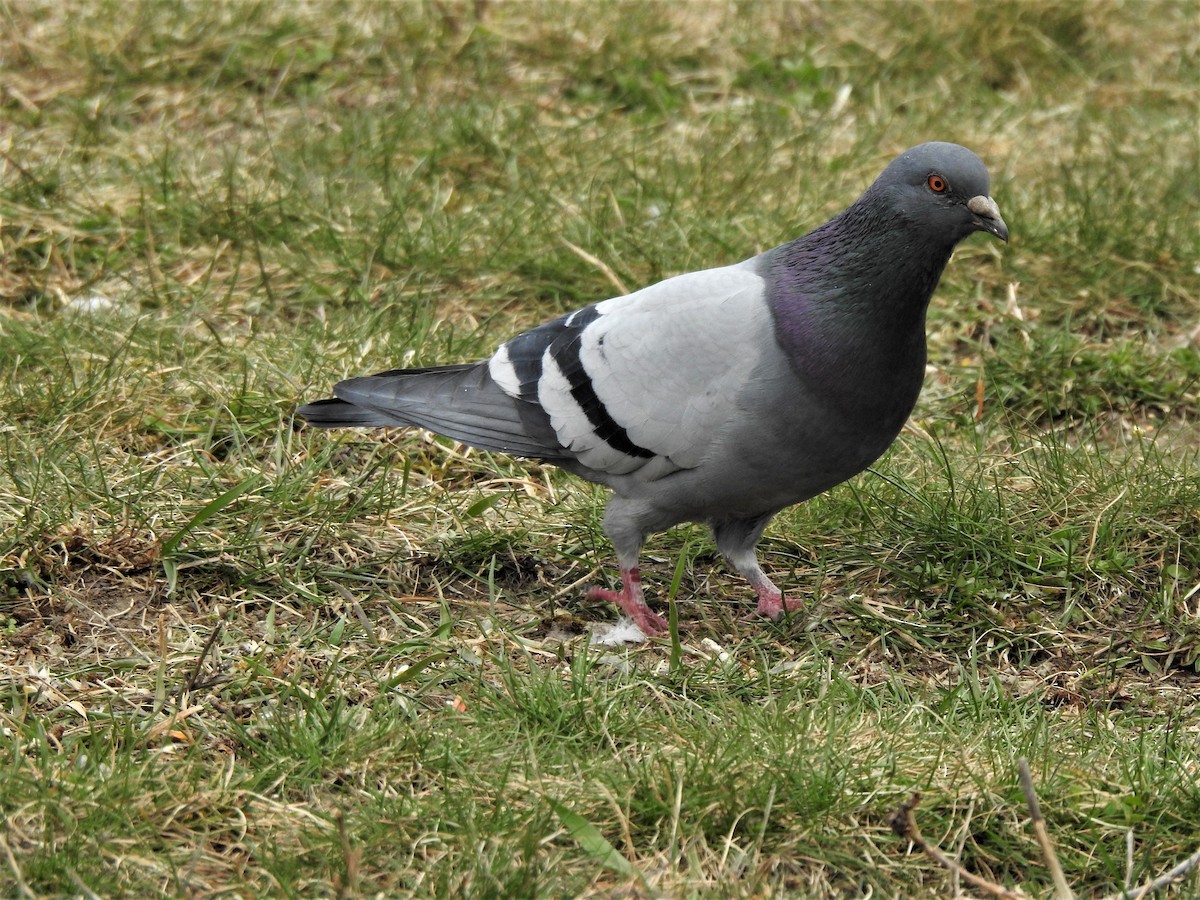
245,658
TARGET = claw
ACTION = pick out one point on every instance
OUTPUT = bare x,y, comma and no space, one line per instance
771,602
632,603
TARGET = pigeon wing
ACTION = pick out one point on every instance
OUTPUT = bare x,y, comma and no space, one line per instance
642,385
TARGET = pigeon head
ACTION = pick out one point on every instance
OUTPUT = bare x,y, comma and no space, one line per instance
941,191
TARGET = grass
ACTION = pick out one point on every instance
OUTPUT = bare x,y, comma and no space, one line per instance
243,658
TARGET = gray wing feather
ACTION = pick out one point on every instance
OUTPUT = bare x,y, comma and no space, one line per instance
461,402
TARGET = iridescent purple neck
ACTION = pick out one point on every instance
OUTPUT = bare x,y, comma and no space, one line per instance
859,279
849,301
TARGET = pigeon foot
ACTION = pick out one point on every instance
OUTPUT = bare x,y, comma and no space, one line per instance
632,603
771,602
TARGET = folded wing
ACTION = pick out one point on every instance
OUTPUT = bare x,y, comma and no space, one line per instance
644,383
640,385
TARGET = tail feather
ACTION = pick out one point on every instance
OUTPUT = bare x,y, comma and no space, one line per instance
461,402
334,413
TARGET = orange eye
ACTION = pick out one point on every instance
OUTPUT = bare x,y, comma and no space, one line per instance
937,184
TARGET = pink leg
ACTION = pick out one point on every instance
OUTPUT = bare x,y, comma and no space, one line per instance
771,603
631,601
736,539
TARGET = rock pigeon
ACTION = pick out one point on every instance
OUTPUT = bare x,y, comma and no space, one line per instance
719,396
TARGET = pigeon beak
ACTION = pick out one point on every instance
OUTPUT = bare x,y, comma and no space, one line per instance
987,216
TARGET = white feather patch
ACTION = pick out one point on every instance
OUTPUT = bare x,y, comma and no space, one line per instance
504,373
617,634
572,426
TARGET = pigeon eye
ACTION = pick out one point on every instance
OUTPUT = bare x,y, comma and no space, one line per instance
937,184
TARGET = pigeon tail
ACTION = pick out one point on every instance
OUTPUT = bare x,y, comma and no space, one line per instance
459,401
334,413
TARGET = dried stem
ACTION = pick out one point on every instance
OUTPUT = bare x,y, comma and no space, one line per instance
904,823
1062,890
18,878
193,679
350,858
605,268
1164,880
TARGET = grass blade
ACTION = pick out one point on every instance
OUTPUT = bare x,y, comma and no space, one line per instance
594,843
210,509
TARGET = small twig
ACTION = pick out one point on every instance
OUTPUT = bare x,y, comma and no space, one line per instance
904,823
600,264
193,678
1062,890
350,858
1164,880
18,878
